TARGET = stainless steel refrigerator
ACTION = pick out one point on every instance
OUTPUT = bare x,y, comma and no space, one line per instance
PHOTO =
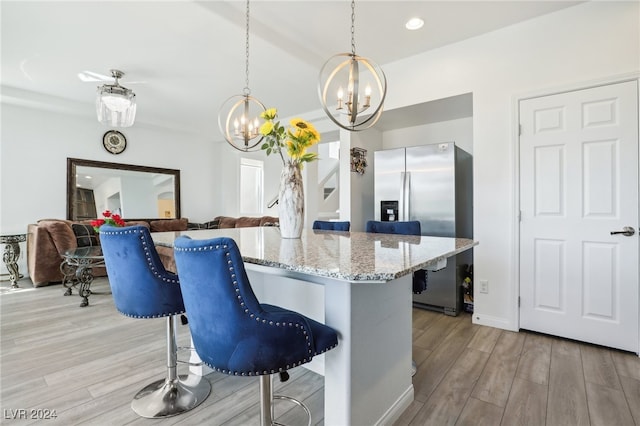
433,184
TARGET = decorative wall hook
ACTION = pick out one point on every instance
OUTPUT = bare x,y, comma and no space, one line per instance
358,160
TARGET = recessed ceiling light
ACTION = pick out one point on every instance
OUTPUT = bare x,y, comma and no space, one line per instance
414,24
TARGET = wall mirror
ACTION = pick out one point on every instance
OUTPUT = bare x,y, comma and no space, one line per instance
134,192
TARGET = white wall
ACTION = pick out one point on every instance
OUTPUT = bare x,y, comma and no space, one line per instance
356,190
459,131
583,43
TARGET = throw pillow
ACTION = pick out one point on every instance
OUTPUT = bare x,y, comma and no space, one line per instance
214,224
61,233
193,226
85,235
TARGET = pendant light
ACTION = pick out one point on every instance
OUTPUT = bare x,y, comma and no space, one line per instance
238,118
116,105
358,84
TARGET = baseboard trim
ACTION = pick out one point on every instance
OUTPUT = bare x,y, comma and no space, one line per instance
496,322
395,411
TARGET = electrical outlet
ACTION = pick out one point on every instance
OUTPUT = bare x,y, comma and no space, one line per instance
484,286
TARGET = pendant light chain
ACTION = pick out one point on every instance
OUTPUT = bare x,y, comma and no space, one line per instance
247,91
353,27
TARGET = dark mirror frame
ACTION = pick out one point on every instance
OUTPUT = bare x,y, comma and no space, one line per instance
72,163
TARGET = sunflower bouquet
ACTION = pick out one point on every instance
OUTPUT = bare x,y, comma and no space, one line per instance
295,140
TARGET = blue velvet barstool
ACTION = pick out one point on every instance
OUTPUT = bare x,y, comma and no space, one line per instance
410,227
142,288
232,332
326,225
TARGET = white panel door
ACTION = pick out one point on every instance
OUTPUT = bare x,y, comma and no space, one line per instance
578,183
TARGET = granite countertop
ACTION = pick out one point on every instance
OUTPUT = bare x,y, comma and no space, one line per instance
350,256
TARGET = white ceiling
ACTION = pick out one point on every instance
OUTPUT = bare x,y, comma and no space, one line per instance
188,57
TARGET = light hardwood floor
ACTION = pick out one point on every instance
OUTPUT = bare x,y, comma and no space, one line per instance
87,363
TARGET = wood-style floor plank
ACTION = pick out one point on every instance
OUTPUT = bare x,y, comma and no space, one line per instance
599,367
607,406
479,413
627,364
567,402
535,359
485,339
527,404
447,401
495,383
435,367
631,388
88,363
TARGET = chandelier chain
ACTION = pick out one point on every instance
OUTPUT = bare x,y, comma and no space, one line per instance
247,91
353,27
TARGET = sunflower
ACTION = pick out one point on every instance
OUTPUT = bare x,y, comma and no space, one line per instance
304,129
269,114
266,128
294,141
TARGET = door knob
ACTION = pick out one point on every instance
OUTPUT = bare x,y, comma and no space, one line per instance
627,231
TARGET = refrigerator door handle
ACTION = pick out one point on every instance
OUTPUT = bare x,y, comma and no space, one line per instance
401,212
407,196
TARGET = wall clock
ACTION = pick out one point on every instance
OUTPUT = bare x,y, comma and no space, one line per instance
114,142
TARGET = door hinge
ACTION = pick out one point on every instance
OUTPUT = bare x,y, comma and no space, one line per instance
518,301
519,129
519,215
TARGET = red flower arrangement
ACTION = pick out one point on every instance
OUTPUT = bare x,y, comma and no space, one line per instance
109,219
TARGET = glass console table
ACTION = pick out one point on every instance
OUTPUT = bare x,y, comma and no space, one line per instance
77,268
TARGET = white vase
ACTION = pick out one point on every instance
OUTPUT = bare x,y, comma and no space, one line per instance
291,202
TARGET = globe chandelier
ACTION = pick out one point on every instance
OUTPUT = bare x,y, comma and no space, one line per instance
238,118
358,84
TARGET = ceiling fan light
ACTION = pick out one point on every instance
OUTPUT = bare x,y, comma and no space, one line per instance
116,109
115,104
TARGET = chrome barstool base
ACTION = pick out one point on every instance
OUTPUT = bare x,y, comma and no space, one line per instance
293,401
166,398
267,407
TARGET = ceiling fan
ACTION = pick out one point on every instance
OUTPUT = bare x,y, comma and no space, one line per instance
115,104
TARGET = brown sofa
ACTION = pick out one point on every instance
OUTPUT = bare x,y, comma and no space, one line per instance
219,222
245,222
50,237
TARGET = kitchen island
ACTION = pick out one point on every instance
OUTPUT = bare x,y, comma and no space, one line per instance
359,284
